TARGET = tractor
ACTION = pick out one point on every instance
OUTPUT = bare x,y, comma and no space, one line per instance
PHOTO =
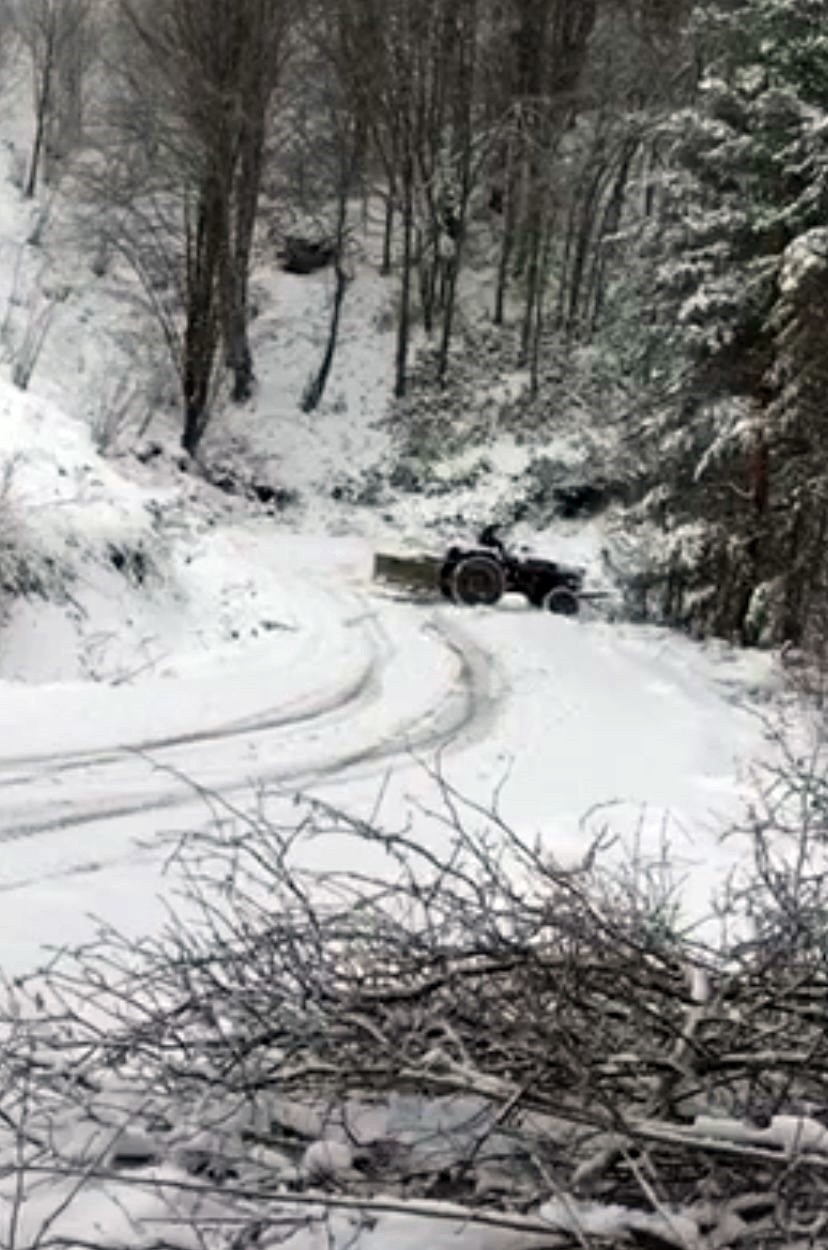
483,573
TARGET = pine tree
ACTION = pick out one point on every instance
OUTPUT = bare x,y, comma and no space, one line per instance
736,469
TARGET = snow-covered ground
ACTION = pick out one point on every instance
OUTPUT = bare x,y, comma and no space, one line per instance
239,656
180,646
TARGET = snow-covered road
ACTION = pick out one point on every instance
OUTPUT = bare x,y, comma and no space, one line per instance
344,690
377,683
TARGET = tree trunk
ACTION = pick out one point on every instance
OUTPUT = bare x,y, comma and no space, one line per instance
312,397
451,271
387,234
201,329
508,238
611,219
450,298
538,318
539,155
426,272
533,278
404,319
236,261
583,228
238,354
42,108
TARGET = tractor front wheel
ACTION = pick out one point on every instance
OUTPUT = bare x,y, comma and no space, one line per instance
477,579
562,601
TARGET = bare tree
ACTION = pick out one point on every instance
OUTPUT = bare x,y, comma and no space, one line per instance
55,35
348,156
6,30
334,135
462,26
180,173
409,73
261,33
640,66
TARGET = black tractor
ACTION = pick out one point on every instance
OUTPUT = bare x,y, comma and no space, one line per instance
484,573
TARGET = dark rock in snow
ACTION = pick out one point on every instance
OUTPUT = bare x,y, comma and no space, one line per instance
226,483
404,477
263,492
302,255
579,499
132,562
151,452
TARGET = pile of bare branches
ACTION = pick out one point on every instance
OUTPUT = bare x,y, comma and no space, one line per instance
554,1037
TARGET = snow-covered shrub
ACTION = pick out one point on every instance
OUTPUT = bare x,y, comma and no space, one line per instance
20,573
25,570
113,409
7,534
484,1026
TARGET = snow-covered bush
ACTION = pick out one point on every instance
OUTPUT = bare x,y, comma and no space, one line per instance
539,1045
113,410
6,529
30,307
22,571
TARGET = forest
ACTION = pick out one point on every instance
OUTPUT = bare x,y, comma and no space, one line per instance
644,179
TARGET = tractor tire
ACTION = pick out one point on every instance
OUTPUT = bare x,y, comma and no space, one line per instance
561,601
477,579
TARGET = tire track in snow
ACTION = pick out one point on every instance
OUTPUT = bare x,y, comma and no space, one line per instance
334,740
260,722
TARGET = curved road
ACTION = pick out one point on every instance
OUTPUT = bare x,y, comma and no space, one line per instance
549,716
372,717
373,682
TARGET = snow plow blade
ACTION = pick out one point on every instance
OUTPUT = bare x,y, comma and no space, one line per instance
415,573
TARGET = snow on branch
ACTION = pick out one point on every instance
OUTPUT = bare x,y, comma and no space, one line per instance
452,1029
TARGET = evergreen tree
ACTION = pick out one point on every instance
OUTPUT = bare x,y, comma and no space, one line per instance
736,449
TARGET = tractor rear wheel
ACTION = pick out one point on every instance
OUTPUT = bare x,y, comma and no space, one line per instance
477,579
